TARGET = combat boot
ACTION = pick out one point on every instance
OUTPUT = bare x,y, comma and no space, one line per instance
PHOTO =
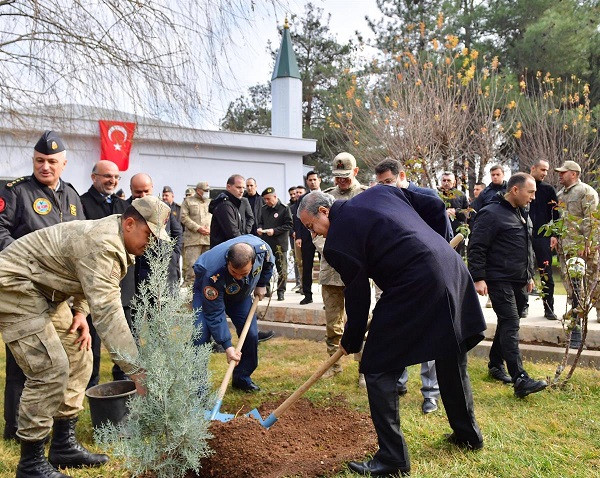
33,463
65,450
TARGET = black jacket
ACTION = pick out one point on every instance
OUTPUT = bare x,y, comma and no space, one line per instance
226,222
299,228
500,244
249,219
96,207
279,218
429,308
142,266
27,205
487,195
458,200
258,203
542,209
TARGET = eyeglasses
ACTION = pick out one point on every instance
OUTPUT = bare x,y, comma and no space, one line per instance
389,181
108,176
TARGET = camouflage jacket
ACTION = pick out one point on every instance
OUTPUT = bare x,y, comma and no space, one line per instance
194,213
580,200
82,259
327,274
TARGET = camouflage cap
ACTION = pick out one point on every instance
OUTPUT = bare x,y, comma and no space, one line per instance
269,190
189,192
569,166
343,165
203,185
156,213
49,143
167,189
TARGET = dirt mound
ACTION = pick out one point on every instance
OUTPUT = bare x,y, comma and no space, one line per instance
307,441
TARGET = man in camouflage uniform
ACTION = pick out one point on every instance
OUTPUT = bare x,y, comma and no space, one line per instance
28,204
579,200
196,236
85,260
344,171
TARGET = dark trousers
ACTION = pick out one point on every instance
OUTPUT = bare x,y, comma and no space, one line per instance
282,266
508,300
308,257
13,388
543,257
117,373
456,394
237,312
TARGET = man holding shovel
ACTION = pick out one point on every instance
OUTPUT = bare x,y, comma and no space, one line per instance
226,276
428,309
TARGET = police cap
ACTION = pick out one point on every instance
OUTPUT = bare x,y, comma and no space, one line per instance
49,143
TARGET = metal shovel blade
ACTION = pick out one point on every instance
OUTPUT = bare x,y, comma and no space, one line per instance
215,414
267,422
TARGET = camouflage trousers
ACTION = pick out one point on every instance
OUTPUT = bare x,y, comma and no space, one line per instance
56,371
574,286
298,263
190,256
335,315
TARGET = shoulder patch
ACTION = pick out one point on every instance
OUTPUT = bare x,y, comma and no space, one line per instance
14,182
363,187
115,273
328,190
42,206
210,292
2,204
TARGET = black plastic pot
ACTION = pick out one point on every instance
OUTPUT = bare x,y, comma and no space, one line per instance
108,401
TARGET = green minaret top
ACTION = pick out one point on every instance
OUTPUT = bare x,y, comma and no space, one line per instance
286,65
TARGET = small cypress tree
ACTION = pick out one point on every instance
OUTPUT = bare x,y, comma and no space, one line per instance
166,431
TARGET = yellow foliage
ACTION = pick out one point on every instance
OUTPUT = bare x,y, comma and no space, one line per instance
357,102
565,127
495,63
452,41
399,76
448,60
387,99
350,92
422,29
486,73
418,82
440,20
465,51
474,54
517,134
511,105
435,43
522,84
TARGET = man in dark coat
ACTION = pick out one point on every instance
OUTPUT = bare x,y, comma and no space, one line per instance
256,202
28,204
274,226
98,202
501,263
227,221
428,310
498,185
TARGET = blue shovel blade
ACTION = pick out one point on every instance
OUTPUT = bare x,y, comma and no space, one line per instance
267,422
215,414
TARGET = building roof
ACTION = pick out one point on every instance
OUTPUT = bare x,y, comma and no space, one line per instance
286,65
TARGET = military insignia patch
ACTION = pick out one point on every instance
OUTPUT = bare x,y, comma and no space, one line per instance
263,247
73,209
276,215
2,204
257,271
214,278
210,292
232,288
340,165
54,145
115,273
42,206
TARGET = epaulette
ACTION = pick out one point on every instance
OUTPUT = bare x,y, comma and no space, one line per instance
260,248
364,188
328,190
71,186
20,180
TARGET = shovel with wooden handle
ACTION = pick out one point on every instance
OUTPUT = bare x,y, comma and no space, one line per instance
215,414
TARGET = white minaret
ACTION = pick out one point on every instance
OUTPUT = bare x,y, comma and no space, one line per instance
286,91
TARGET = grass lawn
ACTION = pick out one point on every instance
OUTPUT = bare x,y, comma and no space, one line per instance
550,434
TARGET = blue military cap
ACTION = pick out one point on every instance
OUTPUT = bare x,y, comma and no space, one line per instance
49,143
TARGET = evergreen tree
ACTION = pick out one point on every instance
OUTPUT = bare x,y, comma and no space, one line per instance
166,431
250,113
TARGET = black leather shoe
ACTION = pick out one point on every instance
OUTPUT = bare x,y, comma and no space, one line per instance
526,385
266,335
525,312
65,450
306,300
280,296
550,315
402,390
246,387
464,443
499,373
376,468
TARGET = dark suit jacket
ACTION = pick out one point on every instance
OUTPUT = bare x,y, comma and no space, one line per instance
96,207
429,308
258,203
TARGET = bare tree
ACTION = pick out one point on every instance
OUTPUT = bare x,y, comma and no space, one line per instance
160,59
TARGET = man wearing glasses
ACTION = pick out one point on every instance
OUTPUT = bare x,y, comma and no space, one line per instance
26,205
99,202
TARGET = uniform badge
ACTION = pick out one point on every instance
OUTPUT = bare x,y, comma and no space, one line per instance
42,206
257,271
232,288
263,247
73,209
215,278
276,215
210,292
2,204
115,273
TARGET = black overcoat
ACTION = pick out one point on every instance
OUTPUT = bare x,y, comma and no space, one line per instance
429,308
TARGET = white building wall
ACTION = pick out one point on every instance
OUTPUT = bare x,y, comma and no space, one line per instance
286,108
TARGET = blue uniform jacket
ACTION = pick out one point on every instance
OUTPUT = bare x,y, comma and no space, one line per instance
214,287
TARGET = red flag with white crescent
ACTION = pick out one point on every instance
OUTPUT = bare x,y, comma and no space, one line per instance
115,142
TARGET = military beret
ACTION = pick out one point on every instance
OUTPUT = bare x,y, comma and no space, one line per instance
167,189
49,143
268,191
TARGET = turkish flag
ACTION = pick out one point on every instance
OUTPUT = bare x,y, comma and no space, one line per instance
115,142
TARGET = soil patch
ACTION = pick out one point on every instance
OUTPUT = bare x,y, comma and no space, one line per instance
307,441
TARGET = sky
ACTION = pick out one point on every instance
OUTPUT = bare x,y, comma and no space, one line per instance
247,55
